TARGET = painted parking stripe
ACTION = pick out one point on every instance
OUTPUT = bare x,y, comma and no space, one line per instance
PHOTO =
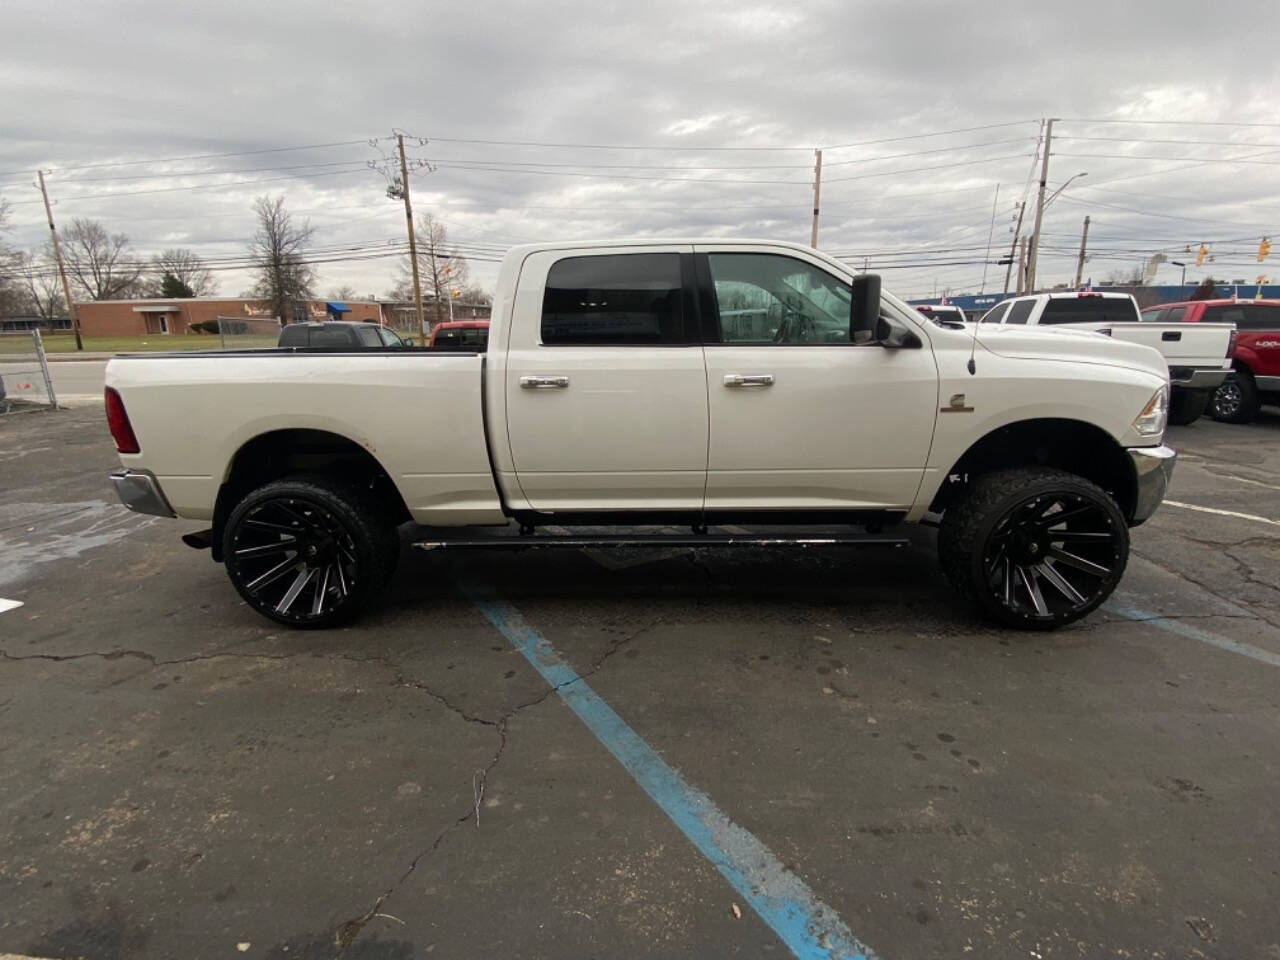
1222,513
810,928
8,605
1172,625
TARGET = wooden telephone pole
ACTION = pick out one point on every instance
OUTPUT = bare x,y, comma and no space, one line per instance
1084,239
817,193
1034,253
62,270
413,244
1013,248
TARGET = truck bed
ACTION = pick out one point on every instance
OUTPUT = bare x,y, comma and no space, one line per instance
419,414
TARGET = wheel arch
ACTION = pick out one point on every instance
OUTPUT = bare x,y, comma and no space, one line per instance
1075,446
279,453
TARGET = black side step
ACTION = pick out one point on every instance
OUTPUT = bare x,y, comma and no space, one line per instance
716,540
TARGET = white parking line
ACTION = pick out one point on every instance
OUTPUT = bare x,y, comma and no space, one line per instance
1223,513
4,606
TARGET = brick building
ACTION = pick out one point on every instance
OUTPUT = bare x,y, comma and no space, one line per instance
130,318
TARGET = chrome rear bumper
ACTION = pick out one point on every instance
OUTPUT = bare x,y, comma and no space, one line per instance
1200,379
1153,469
138,490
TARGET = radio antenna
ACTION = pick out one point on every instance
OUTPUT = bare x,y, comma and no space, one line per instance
973,346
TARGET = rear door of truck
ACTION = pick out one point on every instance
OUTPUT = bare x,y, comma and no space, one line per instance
606,391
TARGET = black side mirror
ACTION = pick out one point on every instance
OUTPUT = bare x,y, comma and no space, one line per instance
864,309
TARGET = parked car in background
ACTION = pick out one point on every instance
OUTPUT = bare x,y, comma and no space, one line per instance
1198,358
616,393
943,314
339,335
472,335
1255,360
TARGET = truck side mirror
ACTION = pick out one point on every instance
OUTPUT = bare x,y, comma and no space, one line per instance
864,309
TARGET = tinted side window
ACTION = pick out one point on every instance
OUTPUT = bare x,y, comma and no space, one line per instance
331,337
294,335
770,298
630,299
368,336
996,313
1224,313
1262,316
1089,309
1019,312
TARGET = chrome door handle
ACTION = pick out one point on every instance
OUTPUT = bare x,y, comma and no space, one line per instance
748,380
539,383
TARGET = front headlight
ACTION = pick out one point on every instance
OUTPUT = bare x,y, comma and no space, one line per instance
1151,421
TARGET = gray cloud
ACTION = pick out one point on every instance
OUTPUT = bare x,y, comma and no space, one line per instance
92,82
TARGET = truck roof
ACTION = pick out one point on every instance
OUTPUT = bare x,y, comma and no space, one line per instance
527,248
1217,302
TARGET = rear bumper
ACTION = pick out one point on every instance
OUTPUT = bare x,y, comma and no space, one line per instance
1153,469
139,491
1192,379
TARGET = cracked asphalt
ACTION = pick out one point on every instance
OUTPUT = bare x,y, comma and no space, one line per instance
181,778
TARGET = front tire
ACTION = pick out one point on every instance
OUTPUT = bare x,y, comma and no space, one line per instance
309,552
1187,406
1236,401
1034,548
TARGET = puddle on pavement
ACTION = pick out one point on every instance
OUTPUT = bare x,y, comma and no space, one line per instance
35,533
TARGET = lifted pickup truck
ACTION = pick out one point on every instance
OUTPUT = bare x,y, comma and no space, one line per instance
1198,358
686,382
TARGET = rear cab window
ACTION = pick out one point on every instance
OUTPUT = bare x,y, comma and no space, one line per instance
1020,311
1089,310
293,335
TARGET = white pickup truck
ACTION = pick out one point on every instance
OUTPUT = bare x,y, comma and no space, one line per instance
684,383
1199,359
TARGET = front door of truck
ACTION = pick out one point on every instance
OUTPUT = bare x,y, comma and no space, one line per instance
606,392
801,418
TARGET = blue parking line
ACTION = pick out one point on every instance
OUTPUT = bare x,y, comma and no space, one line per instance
810,928
1173,625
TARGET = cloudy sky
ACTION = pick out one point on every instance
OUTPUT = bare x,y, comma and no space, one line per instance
547,120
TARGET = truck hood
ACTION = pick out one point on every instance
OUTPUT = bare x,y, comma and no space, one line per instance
1080,346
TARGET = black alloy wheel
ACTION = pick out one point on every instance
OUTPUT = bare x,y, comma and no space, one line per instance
1236,400
308,552
1035,548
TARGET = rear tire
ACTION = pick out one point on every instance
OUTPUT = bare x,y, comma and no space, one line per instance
1236,401
309,552
1034,548
1187,406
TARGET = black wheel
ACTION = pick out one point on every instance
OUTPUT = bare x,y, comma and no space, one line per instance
1187,406
309,551
1236,401
1035,548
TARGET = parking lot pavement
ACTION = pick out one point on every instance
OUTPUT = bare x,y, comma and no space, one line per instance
182,778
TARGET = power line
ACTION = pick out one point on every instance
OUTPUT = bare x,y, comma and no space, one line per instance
1137,156
1175,123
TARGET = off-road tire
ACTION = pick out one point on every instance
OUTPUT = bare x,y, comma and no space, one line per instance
353,543
989,508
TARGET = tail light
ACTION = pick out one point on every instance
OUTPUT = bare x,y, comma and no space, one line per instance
1231,345
118,423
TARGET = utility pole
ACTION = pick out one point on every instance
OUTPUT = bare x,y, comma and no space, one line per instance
413,245
817,192
1013,248
1035,237
1022,267
1084,239
62,270
990,232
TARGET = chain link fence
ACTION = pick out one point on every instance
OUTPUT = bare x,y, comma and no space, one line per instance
25,383
247,333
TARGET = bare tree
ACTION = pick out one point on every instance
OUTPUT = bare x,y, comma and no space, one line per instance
441,270
277,252
10,285
41,289
343,293
99,264
180,273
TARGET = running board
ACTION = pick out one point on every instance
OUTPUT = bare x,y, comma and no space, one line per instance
716,540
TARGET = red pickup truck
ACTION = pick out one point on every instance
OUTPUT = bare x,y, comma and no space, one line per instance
1255,374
